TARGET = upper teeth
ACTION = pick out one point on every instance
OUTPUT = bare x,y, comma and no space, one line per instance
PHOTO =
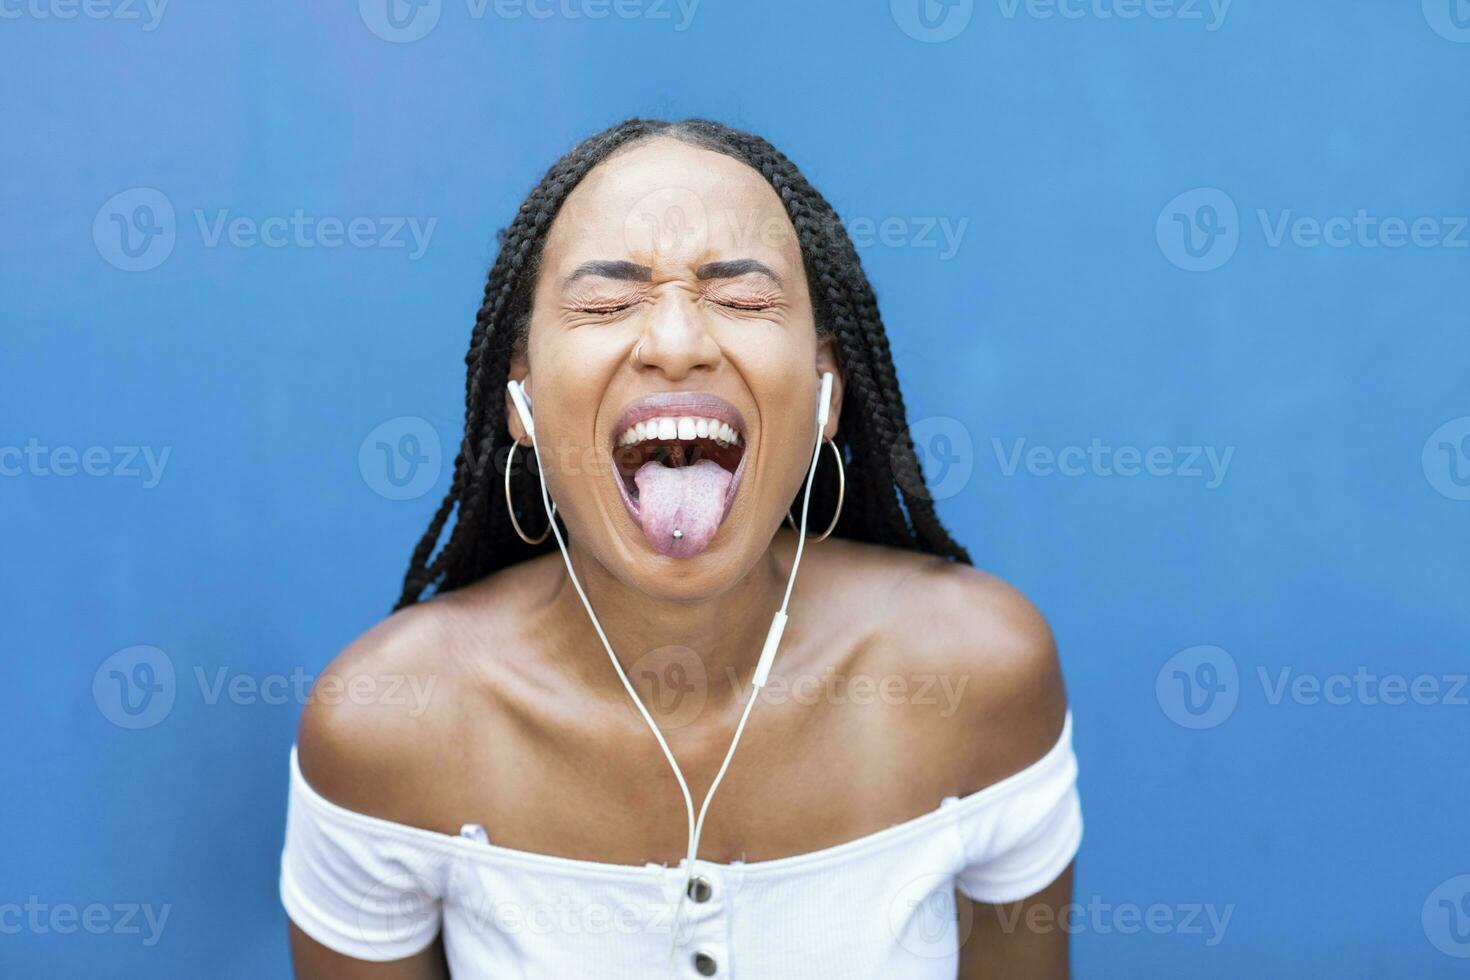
681,427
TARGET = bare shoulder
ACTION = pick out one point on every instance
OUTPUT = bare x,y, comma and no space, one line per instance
1001,701
385,727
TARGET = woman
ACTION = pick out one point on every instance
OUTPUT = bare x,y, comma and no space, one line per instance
903,803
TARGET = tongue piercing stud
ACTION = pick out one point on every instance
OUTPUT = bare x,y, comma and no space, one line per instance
678,534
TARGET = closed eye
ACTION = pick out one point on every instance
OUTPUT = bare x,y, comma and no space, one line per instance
606,310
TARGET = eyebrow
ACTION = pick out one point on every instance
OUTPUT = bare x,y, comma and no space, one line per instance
632,272
610,270
734,268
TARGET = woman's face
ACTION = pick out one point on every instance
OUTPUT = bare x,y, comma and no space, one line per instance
674,367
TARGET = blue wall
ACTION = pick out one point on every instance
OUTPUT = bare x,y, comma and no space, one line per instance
1126,265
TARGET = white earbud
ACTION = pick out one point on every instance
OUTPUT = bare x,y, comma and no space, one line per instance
522,404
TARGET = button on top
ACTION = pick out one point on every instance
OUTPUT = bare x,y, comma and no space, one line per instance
700,889
705,964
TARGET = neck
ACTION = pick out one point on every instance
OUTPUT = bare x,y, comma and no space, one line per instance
658,641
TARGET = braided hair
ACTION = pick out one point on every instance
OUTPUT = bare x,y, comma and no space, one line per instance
887,501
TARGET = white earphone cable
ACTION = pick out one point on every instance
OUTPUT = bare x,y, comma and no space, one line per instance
622,676
758,682
695,827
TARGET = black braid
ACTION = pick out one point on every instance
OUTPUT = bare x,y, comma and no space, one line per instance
887,500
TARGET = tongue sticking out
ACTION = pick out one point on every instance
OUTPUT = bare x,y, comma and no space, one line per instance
690,499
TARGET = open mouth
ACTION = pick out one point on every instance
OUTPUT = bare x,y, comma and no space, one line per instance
678,458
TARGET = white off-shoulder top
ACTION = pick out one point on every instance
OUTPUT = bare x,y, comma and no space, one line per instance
881,906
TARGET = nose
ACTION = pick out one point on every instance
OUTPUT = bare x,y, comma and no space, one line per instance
675,340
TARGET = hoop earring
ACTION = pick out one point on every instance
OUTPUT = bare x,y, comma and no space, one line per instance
509,460
841,494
